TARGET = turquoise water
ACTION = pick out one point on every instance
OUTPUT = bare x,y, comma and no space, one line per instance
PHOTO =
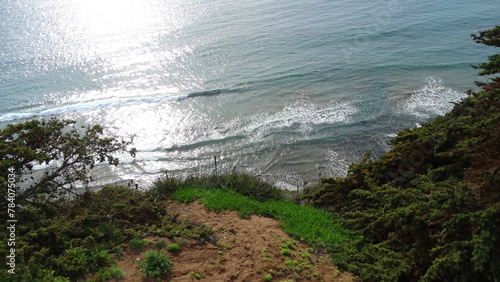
284,89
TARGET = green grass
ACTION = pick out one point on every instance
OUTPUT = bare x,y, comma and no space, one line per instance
307,224
244,184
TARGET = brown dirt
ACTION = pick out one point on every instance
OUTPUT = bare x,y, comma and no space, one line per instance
246,250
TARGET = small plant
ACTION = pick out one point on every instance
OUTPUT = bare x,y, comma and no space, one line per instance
156,264
137,244
218,265
160,244
288,244
174,248
196,275
337,273
286,252
268,277
221,253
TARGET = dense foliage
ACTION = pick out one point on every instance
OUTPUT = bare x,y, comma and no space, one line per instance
67,239
430,208
67,153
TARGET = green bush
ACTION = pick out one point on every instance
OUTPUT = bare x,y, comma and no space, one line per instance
174,248
156,265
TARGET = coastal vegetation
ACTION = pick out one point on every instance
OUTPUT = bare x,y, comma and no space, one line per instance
83,239
427,210
430,208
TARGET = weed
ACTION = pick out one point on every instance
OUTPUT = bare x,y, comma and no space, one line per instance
196,275
268,277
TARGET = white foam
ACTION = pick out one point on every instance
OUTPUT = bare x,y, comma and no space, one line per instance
301,114
92,105
431,100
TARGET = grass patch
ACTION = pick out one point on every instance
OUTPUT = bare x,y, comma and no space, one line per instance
307,224
244,184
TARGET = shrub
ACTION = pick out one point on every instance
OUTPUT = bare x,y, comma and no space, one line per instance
156,265
160,244
174,248
137,244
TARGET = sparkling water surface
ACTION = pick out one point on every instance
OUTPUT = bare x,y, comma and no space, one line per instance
287,90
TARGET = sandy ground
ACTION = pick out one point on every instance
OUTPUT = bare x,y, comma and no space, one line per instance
246,250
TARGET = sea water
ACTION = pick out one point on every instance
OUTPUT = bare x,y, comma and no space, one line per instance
288,90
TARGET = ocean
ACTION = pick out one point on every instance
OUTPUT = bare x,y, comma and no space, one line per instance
290,91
